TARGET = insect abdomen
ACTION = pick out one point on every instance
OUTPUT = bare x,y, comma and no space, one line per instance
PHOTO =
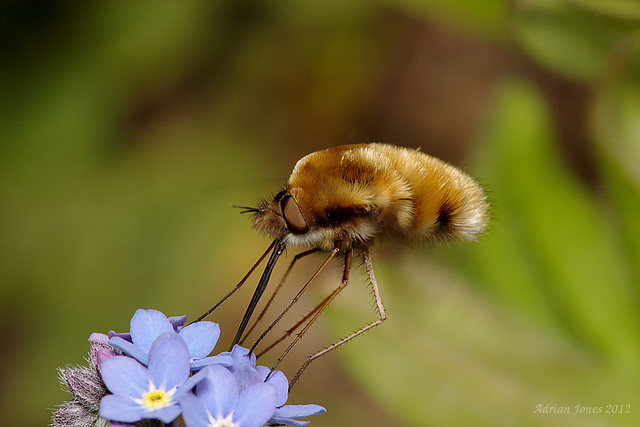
447,203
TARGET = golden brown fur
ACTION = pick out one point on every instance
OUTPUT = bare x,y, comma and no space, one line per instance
351,194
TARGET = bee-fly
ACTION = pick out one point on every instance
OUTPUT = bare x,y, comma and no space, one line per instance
341,199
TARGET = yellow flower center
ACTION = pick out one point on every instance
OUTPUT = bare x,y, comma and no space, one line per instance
156,399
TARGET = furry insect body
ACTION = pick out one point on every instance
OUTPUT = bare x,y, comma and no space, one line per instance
349,195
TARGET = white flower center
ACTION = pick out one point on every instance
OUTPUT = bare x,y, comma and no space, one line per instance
223,422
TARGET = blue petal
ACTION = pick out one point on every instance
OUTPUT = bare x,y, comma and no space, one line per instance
256,405
147,325
189,384
119,408
168,361
124,376
298,411
285,415
287,421
242,355
218,391
166,414
213,360
194,412
279,380
246,376
201,338
124,335
177,322
140,354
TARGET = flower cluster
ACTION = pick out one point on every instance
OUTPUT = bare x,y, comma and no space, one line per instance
161,370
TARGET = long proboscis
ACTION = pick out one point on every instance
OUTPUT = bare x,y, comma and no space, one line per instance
262,285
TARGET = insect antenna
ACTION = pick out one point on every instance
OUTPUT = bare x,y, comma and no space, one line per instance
246,209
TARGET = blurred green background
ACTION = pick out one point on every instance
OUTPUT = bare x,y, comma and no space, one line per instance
128,128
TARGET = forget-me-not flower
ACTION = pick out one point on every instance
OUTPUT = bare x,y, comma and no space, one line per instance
247,374
148,393
220,403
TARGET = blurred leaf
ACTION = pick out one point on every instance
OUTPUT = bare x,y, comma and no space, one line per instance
562,235
618,9
574,38
616,124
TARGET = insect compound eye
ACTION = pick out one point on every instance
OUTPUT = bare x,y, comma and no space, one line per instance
292,215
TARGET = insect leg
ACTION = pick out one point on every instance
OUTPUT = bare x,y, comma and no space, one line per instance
284,278
294,327
366,258
318,311
297,297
